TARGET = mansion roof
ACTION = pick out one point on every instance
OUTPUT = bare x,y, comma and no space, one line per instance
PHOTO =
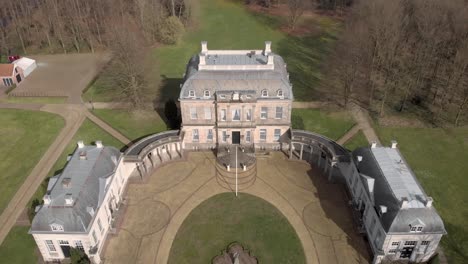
242,71
75,195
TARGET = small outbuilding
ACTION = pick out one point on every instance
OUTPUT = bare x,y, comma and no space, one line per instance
10,75
25,65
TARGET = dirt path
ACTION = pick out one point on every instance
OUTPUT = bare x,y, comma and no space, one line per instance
74,115
353,131
363,119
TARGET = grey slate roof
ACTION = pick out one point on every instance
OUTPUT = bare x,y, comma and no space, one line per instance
88,178
390,187
237,80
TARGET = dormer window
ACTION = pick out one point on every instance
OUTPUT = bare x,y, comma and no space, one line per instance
56,227
206,93
191,93
416,228
264,93
279,93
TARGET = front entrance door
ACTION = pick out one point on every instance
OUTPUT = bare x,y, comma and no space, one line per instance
66,251
235,137
406,252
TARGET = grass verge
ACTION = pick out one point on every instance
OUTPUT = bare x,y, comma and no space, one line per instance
357,141
330,124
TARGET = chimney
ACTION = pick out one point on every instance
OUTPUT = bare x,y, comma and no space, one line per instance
90,210
373,144
383,209
66,183
68,199
267,50
47,200
394,144
204,47
429,202
270,59
359,158
202,59
82,155
99,144
80,144
404,203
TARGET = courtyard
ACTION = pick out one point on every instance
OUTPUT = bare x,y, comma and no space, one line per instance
156,207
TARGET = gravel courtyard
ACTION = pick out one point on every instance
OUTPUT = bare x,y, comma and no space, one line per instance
157,206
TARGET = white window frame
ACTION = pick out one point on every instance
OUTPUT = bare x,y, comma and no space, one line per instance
224,136
195,135
100,225
50,245
279,114
206,93
264,112
234,114
248,114
193,113
265,93
209,135
223,114
191,93
79,245
277,134
56,227
263,134
207,113
248,136
94,236
279,93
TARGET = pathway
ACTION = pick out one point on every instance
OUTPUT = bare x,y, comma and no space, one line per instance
363,119
74,115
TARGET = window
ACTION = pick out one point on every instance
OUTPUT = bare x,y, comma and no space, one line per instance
395,244
223,114
410,243
94,237
207,113
209,136
279,93
50,246
224,139
100,225
277,134
206,93
420,228
248,115
193,113
236,115
63,243
56,227
195,136
79,245
264,93
191,93
425,243
392,251
247,136
416,228
264,113
279,112
263,134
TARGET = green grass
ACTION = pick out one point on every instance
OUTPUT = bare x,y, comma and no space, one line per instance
134,124
357,141
18,247
330,124
229,25
439,159
38,100
24,138
248,220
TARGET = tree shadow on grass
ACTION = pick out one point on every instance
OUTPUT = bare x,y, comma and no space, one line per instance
170,89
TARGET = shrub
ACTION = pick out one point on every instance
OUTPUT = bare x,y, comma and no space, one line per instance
171,30
78,256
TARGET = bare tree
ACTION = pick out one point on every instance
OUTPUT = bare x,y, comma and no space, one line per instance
296,10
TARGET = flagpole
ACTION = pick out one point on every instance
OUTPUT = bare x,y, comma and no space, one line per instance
236,171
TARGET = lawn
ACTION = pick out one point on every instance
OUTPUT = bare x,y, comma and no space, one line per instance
330,124
248,220
229,25
18,240
18,247
357,141
24,138
439,159
37,100
132,124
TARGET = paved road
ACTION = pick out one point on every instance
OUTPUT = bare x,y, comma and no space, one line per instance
74,115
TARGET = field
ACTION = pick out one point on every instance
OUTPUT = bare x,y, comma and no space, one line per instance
439,159
330,124
248,220
230,25
18,247
357,141
132,124
24,138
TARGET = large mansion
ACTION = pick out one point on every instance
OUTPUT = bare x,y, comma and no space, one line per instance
238,101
